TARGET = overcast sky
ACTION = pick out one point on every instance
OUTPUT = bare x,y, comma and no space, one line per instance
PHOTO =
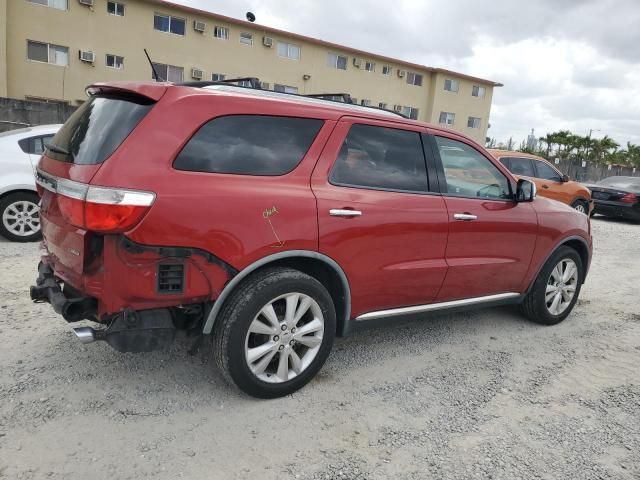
565,64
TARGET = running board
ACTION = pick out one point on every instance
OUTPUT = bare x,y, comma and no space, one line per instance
436,306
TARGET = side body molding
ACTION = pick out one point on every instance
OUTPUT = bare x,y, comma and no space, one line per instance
217,305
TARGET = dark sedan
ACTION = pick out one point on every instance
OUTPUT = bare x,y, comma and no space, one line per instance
617,197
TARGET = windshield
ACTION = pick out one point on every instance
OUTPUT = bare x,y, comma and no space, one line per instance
624,183
97,128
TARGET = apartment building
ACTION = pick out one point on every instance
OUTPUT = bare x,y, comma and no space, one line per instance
50,50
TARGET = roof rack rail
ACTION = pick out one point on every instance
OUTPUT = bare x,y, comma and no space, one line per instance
252,82
334,97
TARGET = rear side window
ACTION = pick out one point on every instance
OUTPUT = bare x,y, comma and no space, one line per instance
249,145
97,128
381,158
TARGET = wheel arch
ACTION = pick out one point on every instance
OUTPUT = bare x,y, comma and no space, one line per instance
321,267
18,189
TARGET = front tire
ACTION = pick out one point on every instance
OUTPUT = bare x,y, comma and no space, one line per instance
275,332
556,289
581,206
20,217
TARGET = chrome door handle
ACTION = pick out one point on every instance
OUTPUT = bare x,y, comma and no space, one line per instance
465,216
343,212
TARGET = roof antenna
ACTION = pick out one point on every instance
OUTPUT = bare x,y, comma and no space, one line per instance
251,17
157,77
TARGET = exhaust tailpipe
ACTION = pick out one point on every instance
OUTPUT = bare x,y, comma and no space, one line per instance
85,334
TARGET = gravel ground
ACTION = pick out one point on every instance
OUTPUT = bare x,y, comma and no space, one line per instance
484,394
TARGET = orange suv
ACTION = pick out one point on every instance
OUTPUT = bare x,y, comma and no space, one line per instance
551,183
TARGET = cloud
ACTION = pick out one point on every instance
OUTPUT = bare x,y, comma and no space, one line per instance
571,64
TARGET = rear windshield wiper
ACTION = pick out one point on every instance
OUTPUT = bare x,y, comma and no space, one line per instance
57,149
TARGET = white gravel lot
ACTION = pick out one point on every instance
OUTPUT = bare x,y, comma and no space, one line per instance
484,394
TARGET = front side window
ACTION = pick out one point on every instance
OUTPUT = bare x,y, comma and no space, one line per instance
167,73
381,158
447,118
57,4
521,166
169,24
221,32
547,172
337,61
468,173
115,8
451,85
414,79
114,61
478,91
473,122
246,38
249,145
289,50
284,88
47,52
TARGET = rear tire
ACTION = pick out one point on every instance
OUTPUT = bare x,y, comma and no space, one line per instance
20,217
581,206
539,304
264,354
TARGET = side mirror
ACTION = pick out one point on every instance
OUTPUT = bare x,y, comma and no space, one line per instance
565,178
526,191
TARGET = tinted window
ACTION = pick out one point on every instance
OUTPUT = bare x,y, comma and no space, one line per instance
35,145
521,166
546,172
469,173
249,145
383,158
96,129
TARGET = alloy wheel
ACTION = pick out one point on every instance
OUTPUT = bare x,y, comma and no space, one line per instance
22,218
580,208
284,337
561,286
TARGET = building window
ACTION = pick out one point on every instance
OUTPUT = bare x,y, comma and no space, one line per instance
115,61
387,70
369,66
473,122
168,73
284,88
336,61
58,4
48,53
217,77
478,91
447,118
289,50
410,112
115,8
451,85
221,32
169,24
246,38
365,102
382,105
414,79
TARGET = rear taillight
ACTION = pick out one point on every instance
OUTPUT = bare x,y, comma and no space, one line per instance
629,198
100,209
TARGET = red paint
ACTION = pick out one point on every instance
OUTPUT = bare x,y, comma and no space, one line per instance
406,249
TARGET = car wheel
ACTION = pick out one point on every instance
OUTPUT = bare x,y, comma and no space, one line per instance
581,206
275,332
20,217
556,289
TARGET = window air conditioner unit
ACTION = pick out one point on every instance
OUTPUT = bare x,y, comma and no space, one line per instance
402,73
88,3
196,73
267,41
199,26
265,85
87,56
357,62
397,108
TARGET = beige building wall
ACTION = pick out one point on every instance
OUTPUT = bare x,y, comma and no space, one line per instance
84,28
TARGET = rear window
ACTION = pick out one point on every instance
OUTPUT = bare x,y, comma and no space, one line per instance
97,128
624,183
249,145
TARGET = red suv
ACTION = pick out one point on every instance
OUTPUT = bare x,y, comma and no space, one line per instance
274,222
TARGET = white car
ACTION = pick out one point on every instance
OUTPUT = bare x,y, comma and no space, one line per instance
20,151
